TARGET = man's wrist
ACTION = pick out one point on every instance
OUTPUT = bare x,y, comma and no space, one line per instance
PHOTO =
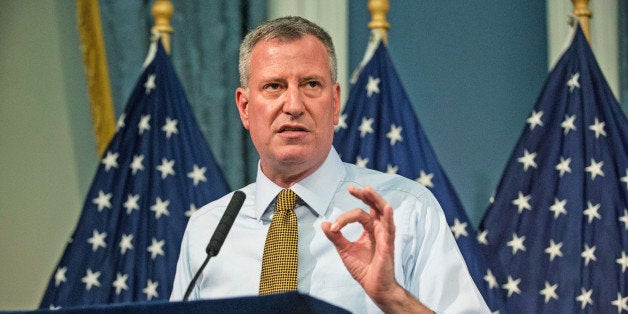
399,300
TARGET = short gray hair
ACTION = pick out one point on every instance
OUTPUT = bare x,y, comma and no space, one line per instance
289,28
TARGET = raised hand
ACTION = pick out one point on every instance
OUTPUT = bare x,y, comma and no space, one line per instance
370,259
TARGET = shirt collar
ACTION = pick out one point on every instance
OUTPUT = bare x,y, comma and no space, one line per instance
316,190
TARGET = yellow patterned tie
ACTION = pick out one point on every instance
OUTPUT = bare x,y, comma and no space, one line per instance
279,265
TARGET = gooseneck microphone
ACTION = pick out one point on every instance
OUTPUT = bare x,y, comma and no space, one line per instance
219,235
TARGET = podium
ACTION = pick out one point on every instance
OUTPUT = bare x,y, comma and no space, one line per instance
290,302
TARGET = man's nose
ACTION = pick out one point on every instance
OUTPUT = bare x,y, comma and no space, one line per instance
293,102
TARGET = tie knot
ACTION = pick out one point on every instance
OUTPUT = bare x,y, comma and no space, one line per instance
286,200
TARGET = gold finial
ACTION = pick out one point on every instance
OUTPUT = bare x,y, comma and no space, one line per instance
162,12
379,9
582,12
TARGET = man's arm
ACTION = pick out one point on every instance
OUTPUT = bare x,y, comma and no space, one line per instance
370,259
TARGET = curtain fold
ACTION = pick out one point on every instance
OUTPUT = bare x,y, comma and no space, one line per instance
205,46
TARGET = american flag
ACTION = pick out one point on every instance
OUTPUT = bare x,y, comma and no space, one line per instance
557,227
155,172
378,129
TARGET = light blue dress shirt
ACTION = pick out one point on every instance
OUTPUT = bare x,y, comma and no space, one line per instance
428,262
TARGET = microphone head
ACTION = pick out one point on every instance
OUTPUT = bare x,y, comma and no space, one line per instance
225,223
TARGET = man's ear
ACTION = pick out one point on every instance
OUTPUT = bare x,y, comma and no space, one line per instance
242,102
336,104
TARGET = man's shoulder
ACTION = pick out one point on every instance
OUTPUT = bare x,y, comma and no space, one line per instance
383,183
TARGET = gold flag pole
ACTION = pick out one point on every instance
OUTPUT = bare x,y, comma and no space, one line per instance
95,60
582,12
162,12
378,23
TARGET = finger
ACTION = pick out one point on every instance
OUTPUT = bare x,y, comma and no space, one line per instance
369,197
355,215
335,237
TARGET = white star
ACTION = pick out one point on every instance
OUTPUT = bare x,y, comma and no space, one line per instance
516,243
559,207
512,286
191,211
91,279
522,202
459,229
197,175
549,292
110,161
170,127
425,179
53,307
624,218
151,289
392,169
342,123
598,128
621,303
137,163
131,203
125,243
372,86
527,160
623,261
361,162
573,82
120,123
568,123
160,208
366,126
156,248
120,283
144,125
584,298
595,168
588,254
150,83
490,279
103,200
625,179
535,119
592,211
482,237
60,275
563,166
97,240
395,134
166,168
554,250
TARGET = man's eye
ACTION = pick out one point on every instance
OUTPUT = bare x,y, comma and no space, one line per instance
271,86
313,84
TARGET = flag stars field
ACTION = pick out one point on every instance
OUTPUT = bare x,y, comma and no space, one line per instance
141,195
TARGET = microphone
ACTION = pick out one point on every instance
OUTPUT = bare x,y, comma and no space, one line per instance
219,235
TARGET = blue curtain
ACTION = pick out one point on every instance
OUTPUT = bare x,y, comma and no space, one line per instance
204,46
623,53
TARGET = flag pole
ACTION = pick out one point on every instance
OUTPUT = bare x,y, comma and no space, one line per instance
378,23
582,12
162,12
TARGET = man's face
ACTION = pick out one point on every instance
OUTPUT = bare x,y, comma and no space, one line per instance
290,106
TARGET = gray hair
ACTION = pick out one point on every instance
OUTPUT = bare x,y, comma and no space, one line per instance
289,28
